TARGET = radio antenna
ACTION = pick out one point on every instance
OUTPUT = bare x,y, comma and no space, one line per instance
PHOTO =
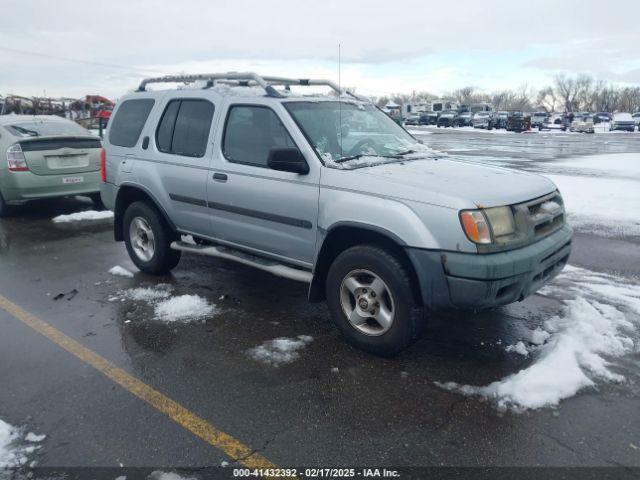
340,99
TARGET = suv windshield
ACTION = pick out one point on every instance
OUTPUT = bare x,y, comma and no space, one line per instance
341,131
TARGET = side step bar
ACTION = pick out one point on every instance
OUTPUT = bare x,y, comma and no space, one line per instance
246,259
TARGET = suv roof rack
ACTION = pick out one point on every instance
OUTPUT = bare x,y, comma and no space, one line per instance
247,79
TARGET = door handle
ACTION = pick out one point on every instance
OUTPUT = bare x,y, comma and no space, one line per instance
221,177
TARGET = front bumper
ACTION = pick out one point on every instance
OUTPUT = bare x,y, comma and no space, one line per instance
19,187
467,280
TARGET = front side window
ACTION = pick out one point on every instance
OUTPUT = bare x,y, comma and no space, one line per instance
128,122
184,127
341,131
251,132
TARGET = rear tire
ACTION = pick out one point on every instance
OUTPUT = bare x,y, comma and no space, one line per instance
366,284
97,201
148,238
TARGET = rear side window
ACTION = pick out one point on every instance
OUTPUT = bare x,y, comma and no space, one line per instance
129,121
184,127
251,132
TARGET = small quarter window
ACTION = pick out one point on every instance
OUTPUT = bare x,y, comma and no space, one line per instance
184,127
129,121
251,132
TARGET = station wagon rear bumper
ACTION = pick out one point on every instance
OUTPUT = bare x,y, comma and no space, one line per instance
19,187
464,280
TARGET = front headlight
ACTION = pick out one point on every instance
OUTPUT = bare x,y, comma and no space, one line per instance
486,225
501,221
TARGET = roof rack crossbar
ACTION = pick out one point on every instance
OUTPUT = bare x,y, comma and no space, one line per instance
247,79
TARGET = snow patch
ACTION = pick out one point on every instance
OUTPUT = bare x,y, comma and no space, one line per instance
599,322
83,216
519,348
182,308
12,453
148,294
119,271
32,437
280,350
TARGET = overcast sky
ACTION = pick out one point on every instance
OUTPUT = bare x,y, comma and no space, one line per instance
387,46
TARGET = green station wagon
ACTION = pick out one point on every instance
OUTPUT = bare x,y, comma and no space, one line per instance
46,156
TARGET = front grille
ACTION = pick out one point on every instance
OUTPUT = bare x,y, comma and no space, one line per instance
542,216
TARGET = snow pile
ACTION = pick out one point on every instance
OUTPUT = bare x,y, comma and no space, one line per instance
148,294
599,322
13,452
83,216
519,348
280,350
183,307
119,271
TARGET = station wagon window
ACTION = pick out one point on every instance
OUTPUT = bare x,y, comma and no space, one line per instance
129,121
251,132
184,127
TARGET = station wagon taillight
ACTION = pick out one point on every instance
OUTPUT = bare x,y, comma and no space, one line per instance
16,160
103,165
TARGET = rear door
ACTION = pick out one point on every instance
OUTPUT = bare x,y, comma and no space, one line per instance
175,164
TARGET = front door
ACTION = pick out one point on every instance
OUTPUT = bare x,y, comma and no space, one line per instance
252,206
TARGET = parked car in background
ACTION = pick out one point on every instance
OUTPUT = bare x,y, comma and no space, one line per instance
482,120
46,156
267,180
636,119
447,118
622,121
518,122
500,120
428,118
554,122
583,124
538,118
601,117
464,119
412,119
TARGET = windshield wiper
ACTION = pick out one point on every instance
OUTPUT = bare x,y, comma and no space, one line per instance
360,155
25,131
401,154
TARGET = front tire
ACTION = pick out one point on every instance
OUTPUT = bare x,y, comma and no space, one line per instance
370,297
148,238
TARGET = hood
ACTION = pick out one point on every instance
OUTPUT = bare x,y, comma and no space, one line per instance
449,183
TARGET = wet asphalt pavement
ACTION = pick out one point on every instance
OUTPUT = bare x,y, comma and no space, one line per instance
334,405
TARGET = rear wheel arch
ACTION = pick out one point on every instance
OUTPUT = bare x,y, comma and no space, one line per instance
128,194
341,237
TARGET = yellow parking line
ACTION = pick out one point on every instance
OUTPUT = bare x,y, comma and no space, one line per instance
176,412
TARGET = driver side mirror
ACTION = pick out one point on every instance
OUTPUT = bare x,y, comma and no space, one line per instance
287,159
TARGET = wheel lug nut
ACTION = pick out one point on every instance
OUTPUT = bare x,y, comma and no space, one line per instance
364,290
373,294
377,304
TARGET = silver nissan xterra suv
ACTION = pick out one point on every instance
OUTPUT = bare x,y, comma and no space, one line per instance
328,190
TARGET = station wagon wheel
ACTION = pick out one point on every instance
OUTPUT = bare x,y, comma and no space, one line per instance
373,300
142,239
367,302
